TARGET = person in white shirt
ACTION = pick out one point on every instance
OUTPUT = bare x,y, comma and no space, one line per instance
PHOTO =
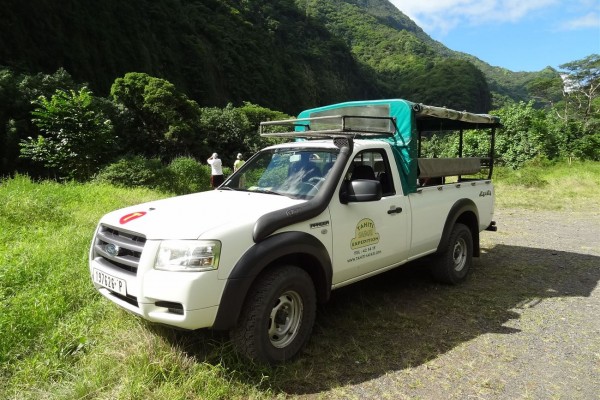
216,173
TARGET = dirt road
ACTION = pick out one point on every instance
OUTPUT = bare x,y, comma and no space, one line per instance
525,326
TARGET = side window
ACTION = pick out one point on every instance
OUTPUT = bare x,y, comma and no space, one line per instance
373,164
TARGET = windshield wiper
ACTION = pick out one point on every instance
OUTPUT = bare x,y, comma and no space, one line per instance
266,191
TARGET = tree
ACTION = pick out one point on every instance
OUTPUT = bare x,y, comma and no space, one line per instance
17,93
579,113
257,114
582,86
524,136
235,129
77,137
226,127
158,119
8,93
546,90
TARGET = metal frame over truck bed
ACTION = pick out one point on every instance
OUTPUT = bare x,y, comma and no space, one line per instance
402,123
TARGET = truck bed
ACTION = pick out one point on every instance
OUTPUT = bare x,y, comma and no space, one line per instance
430,207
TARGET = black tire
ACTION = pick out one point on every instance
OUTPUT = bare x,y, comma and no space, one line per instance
277,317
454,262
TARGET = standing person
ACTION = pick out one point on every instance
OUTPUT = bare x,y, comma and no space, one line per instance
239,162
216,173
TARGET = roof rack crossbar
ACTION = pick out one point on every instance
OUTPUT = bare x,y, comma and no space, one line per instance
342,127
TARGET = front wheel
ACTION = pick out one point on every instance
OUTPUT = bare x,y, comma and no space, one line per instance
278,316
454,262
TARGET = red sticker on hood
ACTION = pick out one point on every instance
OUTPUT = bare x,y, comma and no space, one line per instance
131,216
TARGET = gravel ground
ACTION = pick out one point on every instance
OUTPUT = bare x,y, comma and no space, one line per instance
545,342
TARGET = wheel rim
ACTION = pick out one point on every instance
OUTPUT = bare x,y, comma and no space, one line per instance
459,255
285,319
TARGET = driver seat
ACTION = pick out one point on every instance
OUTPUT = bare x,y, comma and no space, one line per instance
306,170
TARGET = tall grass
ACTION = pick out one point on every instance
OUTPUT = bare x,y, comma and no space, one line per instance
565,186
61,339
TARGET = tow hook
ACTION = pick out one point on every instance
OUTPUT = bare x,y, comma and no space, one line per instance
492,227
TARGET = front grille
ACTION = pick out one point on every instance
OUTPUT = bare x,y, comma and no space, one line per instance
119,248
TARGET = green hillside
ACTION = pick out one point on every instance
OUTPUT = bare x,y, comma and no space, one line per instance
282,54
217,51
414,65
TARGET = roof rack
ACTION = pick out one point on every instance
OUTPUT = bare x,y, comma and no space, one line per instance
334,126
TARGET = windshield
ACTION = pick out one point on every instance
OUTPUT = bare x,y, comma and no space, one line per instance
295,173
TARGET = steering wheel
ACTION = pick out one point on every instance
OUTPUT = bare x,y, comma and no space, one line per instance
315,180
312,185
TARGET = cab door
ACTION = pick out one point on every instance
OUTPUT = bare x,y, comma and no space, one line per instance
370,235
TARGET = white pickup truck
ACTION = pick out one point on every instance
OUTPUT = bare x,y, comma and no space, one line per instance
348,199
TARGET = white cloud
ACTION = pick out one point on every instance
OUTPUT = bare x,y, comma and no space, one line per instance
444,15
590,20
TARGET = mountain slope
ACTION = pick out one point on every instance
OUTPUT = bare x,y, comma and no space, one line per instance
410,62
218,51
282,54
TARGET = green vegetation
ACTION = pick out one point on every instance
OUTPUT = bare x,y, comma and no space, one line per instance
157,119
566,130
215,51
283,54
183,175
206,66
406,62
72,134
546,186
60,339
76,137
66,132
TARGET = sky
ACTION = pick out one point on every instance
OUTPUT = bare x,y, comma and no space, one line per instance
520,35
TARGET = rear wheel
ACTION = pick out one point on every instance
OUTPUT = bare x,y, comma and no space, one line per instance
454,262
278,316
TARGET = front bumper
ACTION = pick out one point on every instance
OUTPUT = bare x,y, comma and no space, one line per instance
187,300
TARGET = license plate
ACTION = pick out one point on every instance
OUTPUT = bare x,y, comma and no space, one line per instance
110,282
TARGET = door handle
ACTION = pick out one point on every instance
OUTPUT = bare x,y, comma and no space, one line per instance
394,210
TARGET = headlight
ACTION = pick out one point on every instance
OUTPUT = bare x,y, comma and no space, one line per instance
188,255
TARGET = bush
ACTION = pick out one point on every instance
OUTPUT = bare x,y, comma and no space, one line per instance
529,176
182,176
189,176
137,171
588,147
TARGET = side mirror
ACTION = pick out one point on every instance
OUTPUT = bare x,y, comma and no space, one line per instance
360,190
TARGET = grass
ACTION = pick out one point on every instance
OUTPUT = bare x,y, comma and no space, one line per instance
60,339
566,186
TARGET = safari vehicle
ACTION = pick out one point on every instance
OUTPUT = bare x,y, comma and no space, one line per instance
346,199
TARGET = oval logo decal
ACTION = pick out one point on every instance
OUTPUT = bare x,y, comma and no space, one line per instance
131,216
112,249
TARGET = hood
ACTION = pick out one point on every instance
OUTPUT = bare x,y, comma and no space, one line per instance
191,216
